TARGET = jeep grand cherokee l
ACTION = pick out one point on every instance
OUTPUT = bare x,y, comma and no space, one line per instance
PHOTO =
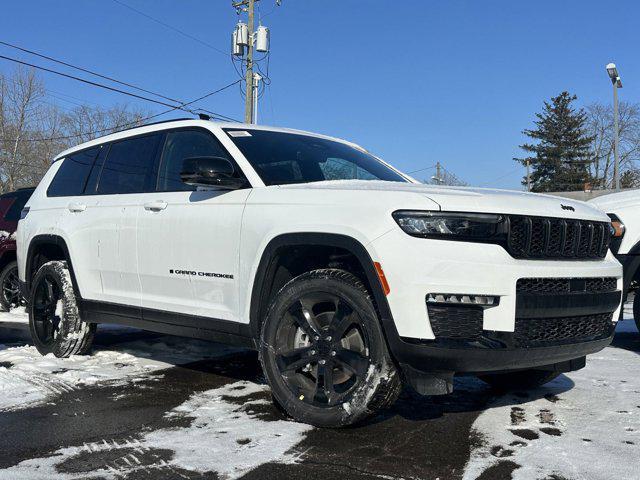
11,204
346,275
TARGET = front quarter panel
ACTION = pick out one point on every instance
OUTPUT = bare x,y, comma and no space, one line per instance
274,211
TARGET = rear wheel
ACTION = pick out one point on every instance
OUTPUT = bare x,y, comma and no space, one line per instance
323,351
520,380
10,296
636,309
54,319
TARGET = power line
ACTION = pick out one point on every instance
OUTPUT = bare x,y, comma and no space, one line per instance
117,90
116,80
95,84
422,169
86,70
171,27
130,124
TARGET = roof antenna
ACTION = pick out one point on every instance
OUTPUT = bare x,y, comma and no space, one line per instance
204,116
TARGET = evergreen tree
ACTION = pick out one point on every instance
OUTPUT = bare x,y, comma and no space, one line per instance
560,160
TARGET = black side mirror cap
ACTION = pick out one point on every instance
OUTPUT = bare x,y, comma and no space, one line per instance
210,172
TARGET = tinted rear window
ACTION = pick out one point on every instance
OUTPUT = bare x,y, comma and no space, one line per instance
130,166
18,201
72,175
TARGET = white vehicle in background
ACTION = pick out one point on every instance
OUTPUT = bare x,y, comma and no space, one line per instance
624,210
347,276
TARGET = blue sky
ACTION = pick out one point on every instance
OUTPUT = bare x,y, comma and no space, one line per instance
415,82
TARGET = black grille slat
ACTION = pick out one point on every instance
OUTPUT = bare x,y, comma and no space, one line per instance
563,285
556,238
538,237
452,321
543,332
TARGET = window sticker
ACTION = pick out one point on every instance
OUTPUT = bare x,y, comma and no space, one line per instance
238,133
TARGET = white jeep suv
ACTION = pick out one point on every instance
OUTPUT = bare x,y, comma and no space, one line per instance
346,275
624,210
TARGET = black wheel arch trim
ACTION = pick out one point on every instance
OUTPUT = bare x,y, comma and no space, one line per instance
355,247
47,239
631,266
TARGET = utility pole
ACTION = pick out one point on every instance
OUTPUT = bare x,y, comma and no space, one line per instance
256,85
248,106
254,40
528,176
438,178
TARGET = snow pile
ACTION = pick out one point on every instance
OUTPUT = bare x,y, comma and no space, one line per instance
27,378
583,425
223,436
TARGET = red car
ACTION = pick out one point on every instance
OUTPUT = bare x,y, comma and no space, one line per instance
11,204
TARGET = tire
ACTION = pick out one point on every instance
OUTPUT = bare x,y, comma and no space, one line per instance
54,319
636,309
10,296
520,380
322,329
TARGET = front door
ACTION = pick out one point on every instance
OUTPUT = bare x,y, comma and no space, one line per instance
188,241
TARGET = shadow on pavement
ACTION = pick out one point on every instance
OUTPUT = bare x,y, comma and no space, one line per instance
417,438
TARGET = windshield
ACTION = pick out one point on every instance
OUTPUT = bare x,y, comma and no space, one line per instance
283,158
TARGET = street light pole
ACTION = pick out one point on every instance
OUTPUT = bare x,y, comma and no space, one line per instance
617,83
616,159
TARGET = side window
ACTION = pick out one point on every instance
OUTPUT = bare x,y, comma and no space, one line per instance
72,175
181,144
129,166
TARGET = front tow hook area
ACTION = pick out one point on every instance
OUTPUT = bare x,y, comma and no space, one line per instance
428,383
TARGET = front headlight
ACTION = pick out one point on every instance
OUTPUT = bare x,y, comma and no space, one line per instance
478,227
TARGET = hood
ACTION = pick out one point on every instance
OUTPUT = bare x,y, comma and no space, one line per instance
467,199
614,201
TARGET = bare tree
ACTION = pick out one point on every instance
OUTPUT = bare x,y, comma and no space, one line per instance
32,131
600,126
22,96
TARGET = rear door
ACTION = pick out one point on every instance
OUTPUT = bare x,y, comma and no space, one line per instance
66,201
120,181
188,240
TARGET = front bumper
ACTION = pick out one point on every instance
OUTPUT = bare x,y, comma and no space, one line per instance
432,358
416,267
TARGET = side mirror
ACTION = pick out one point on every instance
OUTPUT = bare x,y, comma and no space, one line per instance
210,172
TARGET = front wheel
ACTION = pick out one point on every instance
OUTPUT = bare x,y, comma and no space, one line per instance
54,318
323,351
520,380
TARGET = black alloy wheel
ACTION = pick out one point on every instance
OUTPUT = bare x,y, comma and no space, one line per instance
47,309
54,317
321,350
10,295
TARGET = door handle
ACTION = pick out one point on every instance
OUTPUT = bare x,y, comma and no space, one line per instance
77,207
155,206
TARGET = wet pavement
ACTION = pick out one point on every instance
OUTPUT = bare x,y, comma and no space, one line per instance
108,425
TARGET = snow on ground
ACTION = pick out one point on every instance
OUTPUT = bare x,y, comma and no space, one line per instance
223,436
33,378
583,425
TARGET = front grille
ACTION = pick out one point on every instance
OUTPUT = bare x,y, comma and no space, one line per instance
452,321
545,286
556,238
545,332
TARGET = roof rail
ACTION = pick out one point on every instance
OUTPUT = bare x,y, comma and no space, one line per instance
152,123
